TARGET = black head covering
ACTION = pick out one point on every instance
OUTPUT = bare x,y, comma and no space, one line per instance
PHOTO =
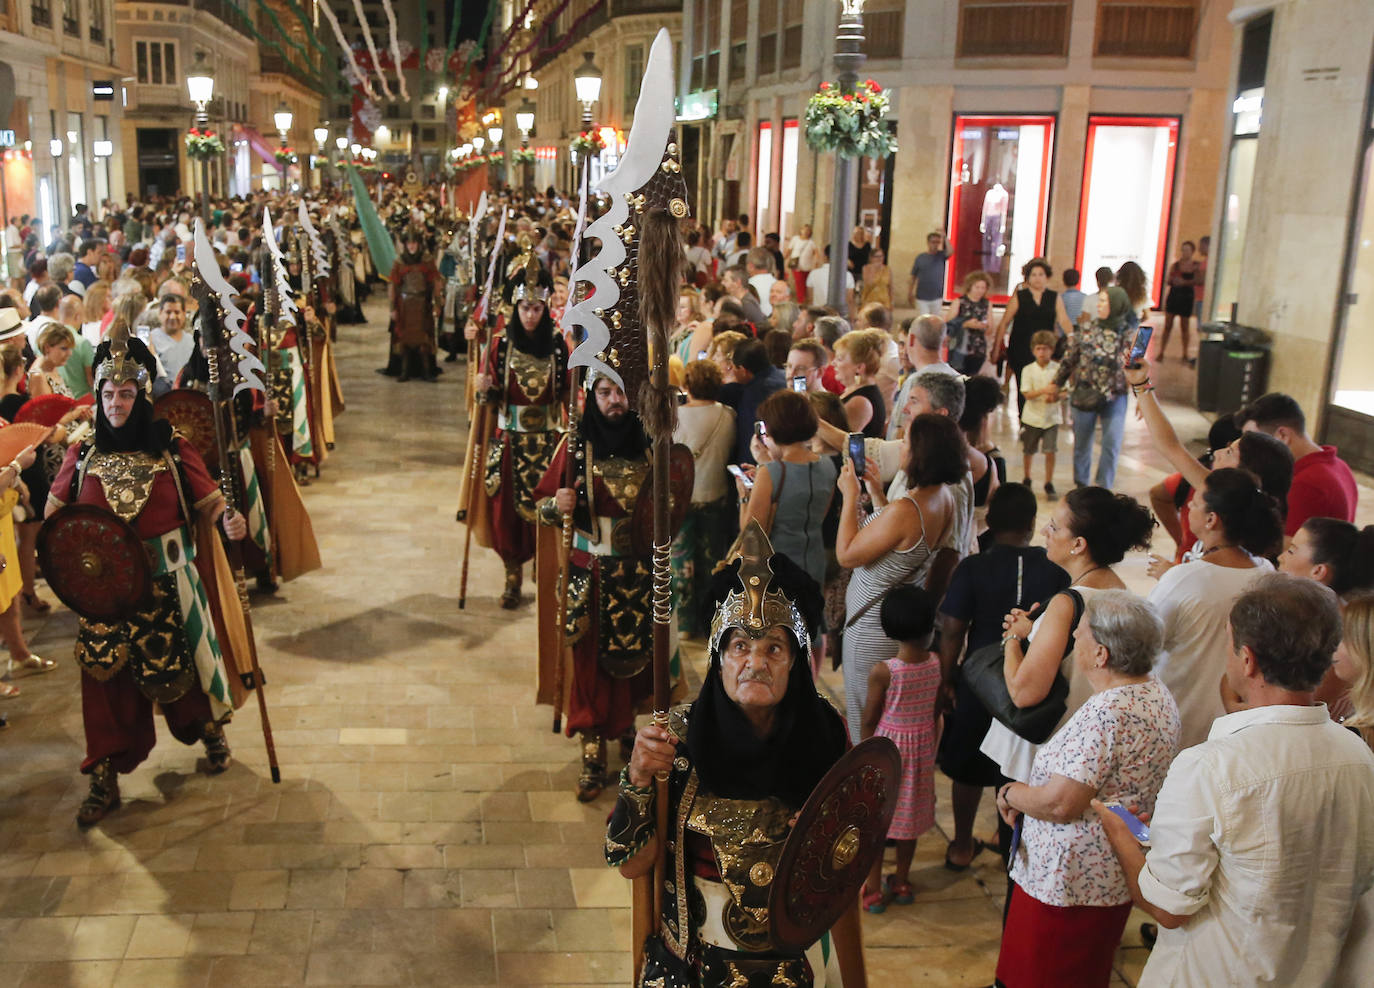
808,734
625,438
141,432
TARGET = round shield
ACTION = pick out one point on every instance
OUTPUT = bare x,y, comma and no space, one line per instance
838,835
681,473
191,413
95,562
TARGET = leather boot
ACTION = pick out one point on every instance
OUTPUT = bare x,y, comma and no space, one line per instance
593,777
103,797
216,748
510,598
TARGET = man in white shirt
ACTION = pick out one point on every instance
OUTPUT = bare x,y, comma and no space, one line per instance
759,264
1262,839
14,248
42,310
818,284
925,341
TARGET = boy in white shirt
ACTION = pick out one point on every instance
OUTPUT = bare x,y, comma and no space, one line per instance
1040,417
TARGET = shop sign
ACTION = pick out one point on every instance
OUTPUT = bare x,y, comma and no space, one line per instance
7,139
102,90
700,105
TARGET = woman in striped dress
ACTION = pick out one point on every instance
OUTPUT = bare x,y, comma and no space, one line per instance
894,546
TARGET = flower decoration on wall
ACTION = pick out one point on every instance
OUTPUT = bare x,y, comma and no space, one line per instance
201,144
850,122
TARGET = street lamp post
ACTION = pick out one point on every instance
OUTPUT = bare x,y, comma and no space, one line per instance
849,58
283,118
494,135
321,135
587,82
200,86
524,122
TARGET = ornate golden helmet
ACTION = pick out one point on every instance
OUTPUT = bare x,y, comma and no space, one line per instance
526,278
760,603
122,359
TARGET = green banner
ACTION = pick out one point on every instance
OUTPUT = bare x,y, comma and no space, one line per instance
378,240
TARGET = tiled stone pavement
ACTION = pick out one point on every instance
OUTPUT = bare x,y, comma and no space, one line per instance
424,832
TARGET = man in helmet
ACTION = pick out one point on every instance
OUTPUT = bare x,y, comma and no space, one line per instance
741,760
416,294
167,653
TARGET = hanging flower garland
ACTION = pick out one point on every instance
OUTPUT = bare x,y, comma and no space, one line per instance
522,156
851,124
588,142
284,156
201,144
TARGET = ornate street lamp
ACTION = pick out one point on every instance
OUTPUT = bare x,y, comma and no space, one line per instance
321,136
200,87
587,82
849,58
283,117
524,122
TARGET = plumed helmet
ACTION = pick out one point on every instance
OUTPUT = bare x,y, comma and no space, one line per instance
122,359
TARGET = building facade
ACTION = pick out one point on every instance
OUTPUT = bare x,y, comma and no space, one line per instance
1085,131
1294,224
60,112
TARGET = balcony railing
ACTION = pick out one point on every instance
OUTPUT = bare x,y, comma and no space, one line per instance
40,16
71,27
273,62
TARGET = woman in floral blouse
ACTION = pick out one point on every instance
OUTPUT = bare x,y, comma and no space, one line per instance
1069,900
1092,370
968,325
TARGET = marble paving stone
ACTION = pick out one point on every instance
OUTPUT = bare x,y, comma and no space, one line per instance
424,832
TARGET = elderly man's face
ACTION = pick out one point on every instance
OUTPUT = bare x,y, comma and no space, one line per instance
755,670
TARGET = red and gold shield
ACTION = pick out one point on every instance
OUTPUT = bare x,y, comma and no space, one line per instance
838,835
191,413
681,474
95,562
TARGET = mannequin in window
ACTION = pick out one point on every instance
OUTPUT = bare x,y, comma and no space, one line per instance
993,220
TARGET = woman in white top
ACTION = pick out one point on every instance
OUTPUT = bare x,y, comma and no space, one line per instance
1089,533
707,428
1236,524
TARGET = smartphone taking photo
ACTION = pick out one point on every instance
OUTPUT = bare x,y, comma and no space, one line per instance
1142,343
856,453
799,383
748,481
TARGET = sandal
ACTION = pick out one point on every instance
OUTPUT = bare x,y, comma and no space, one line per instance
900,892
875,902
36,603
8,691
978,848
32,666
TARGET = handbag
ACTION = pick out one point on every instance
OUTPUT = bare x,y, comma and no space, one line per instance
1087,398
982,672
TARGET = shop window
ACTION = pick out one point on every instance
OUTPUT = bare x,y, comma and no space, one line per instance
1128,180
1354,366
790,135
1146,28
1013,27
999,194
763,187
1223,277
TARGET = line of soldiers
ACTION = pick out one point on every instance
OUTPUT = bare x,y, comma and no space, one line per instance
131,542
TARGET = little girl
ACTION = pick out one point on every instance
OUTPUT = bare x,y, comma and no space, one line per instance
901,706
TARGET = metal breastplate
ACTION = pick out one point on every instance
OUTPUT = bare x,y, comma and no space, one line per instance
127,479
530,374
747,837
414,283
623,479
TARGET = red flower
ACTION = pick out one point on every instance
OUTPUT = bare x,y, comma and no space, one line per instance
873,87
825,86
848,98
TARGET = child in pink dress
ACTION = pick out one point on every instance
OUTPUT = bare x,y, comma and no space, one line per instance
901,706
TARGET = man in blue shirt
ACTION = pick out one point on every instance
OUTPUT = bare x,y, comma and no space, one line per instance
756,379
86,262
1071,296
927,292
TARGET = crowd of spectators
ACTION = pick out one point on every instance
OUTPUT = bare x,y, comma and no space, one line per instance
864,446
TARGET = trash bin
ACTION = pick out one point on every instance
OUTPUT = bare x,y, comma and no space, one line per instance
1232,366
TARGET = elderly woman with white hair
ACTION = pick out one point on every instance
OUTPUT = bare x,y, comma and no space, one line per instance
1070,900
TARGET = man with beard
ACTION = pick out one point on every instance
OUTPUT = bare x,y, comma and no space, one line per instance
416,294
525,380
167,653
606,671
741,762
